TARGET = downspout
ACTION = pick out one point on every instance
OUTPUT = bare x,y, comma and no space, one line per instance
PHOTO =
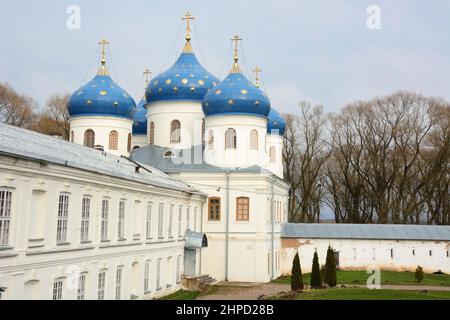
227,224
273,230
201,230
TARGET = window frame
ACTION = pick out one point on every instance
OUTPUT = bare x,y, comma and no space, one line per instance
5,216
62,217
218,215
58,285
273,154
101,284
81,288
89,141
151,138
85,215
104,220
175,131
113,140
119,282
230,139
244,216
254,139
121,221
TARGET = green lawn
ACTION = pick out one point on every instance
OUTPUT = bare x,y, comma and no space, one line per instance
367,294
387,277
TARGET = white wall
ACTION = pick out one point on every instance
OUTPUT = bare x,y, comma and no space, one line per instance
276,167
102,126
249,241
242,156
190,115
138,140
33,259
357,254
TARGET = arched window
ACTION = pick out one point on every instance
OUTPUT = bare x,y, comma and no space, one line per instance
253,140
203,131
175,127
89,138
210,139
272,154
152,133
71,136
129,143
169,154
242,208
230,138
113,140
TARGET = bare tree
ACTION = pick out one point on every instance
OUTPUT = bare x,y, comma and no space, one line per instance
15,109
56,108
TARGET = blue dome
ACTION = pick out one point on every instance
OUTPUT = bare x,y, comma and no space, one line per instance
101,97
185,80
276,122
236,95
140,118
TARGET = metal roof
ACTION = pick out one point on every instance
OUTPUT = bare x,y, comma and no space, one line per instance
195,240
24,143
154,155
365,231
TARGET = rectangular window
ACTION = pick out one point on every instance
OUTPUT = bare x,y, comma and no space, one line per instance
448,253
158,274
85,211
374,256
242,208
413,252
148,225
354,253
104,223
169,230
169,272
180,220
214,208
430,253
160,220
81,286
5,216
188,218
195,218
118,283
101,285
121,225
392,253
63,215
178,269
57,289
147,277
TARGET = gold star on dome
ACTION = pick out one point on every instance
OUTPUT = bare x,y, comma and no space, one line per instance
201,82
168,81
230,102
155,82
175,89
103,92
184,81
192,89
116,103
89,102
243,91
257,102
218,91
159,90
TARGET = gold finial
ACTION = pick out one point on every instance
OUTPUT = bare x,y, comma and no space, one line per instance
103,71
257,70
235,68
147,74
188,17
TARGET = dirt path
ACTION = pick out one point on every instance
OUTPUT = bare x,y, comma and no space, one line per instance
252,291
242,291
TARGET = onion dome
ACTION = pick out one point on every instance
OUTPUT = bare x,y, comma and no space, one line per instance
236,95
276,123
101,96
140,118
185,80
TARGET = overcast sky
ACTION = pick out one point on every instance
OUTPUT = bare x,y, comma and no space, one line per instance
320,51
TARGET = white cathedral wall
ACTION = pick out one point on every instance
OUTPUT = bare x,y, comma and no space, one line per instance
33,259
138,140
361,254
102,126
276,167
242,155
249,241
190,115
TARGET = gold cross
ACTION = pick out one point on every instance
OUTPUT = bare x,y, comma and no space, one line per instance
147,74
103,43
188,17
236,39
257,70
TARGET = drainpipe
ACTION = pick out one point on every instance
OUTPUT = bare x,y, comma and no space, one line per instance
273,229
201,231
227,224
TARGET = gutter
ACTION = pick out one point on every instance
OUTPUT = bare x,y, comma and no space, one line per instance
272,273
227,224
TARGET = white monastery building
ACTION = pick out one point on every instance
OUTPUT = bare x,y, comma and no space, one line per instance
187,184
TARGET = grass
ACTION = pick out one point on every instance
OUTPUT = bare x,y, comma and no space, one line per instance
387,277
367,294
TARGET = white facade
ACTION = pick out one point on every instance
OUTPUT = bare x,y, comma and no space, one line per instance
138,141
46,251
103,126
275,146
361,254
161,114
243,154
250,242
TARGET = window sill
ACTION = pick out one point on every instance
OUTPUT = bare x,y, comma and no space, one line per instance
6,247
85,241
168,286
122,239
158,289
63,243
105,240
